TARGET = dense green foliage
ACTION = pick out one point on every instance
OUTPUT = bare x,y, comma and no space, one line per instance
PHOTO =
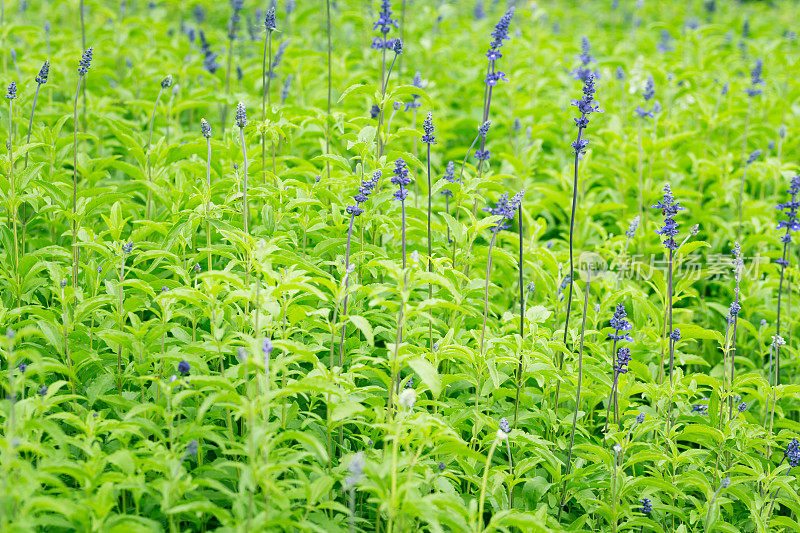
231,367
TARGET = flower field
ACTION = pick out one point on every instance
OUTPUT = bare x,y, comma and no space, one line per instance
270,267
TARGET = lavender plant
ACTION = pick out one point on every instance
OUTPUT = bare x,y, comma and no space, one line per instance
270,25
83,67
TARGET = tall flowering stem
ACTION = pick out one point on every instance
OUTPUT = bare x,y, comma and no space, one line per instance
577,393
41,79
669,208
483,130
384,24
506,209
521,315
83,67
586,106
205,129
165,83
402,180
428,138
266,99
233,26
11,95
241,122
450,177
755,89
354,210
619,360
733,315
643,113
493,76
791,223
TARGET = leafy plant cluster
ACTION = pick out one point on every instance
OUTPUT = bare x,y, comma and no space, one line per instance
399,266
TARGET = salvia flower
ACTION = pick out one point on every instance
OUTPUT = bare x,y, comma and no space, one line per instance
167,81
11,93
506,209
205,128
665,42
675,336
583,71
790,210
427,127
286,88
374,111
269,21
563,285
85,61
44,73
756,80
184,368
266,346
753,157
640,418
792,453
620,74
483,155
209,56
23,367
241,116
634,225
384,24
483,129
127,247
419,83
500,32
401,179
450,177
505,427
742,407
276,61
623,358
43,391
700,409
236,6
191,450
620,324
669,208
646,507
586,106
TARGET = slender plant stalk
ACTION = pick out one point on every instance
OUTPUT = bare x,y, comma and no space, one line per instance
121,319
346,287
245,206
83,47
571,257
266,78
577,393
208,201
478,527
430,247
147,152
75,185
483,328
13,199
30,122
521,317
